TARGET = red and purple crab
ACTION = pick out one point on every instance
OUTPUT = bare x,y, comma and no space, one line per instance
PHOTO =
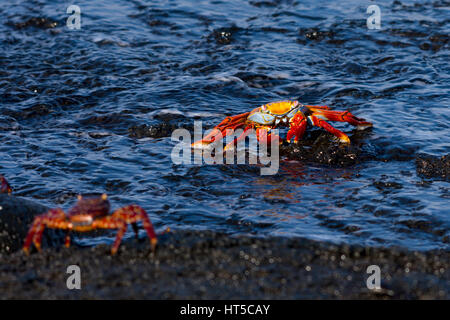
89,213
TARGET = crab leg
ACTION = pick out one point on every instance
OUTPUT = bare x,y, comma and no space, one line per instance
264,136
122,226
323,124
243,135
314,108
343,116
221,130
207,140
67,239
111,222
132,214
34,227
52,223
297,127
52,219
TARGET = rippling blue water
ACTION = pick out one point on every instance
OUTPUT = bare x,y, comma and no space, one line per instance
68,99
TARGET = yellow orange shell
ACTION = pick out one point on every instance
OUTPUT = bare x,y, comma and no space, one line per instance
275,112
280,107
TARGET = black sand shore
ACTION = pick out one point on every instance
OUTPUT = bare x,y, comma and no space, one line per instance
210,265
207,265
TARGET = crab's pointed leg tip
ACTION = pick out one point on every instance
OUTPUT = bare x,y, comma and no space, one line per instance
343,140
200,144
364,126
153,243
26,251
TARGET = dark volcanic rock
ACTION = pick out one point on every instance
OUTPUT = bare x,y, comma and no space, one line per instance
223,35
209,265
321,147
433,167
152,131
16,215
41,23
315,34
165,124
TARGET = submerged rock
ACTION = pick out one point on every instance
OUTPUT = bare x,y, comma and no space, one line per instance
16,215
164,125
160,130
433,167
36,22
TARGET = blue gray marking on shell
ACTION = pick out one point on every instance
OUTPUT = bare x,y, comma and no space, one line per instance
262,118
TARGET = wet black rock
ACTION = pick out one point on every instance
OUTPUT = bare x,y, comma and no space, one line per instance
433,167
163,125
210,265
16,215
316,34
223,35
41,23
152,131
322,147
160,130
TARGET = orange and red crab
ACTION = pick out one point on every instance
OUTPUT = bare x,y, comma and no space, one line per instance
4,185
273,115
89,213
